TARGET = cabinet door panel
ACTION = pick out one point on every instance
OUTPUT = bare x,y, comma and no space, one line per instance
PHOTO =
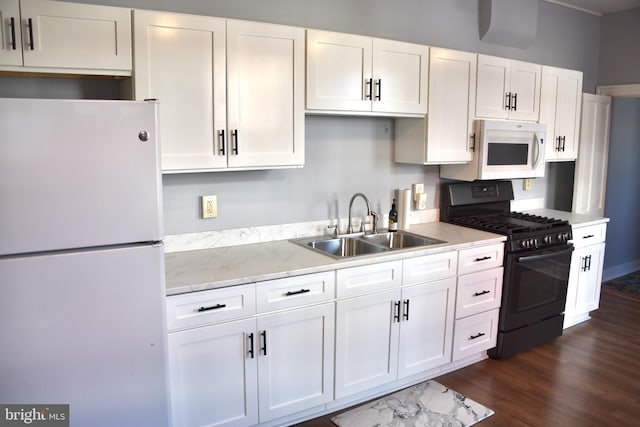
180,60
366,342
525,84
400,76
8,54
591,167
426,331
69,35
213,379
493,85
429,268
452,92
590,278
568,113
337,67
296,373
368,278
265,109
548,104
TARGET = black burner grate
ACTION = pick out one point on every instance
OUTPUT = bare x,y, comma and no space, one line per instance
510,223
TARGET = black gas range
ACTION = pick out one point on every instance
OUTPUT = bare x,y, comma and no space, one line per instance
536,264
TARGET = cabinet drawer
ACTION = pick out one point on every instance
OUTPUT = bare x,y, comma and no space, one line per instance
475,333
429,268
479,292
295,291
206,307
369,278
590,235
480,258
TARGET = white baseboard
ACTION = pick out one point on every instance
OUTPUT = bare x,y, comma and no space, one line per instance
620,270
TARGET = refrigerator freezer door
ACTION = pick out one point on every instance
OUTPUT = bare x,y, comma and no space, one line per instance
86,329
78,174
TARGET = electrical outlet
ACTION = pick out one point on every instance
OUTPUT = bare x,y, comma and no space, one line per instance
209,207
527,184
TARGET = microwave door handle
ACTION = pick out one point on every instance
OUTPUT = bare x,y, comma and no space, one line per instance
539,151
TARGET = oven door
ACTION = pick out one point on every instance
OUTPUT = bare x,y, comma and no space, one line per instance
535,286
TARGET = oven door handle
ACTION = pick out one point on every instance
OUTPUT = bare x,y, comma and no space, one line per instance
544,255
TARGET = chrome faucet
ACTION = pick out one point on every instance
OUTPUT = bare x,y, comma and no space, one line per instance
369,212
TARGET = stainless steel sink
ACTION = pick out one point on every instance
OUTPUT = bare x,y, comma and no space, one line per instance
365,244
400,240
345,246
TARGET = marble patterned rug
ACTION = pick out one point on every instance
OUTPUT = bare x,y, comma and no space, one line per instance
428,404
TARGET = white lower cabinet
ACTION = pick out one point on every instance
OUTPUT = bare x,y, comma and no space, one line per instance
214,381
387,335
585,273
426,329
366,342
273,352
256,369
475,334
478,300
295,360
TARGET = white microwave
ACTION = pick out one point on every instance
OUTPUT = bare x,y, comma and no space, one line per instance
504,150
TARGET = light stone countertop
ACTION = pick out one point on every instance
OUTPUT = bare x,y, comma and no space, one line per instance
204,269
574,219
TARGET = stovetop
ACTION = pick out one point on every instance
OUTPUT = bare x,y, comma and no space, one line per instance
523,231
510,223
486,206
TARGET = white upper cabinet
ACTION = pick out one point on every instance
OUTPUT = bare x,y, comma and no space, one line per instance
217,111
508,89
560,106
351,73
181,61
265,95
446,134
50,36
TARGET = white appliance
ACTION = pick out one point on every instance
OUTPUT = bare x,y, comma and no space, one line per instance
82,313
504,150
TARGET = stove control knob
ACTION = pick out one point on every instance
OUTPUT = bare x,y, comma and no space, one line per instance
524,244
535,243
546,240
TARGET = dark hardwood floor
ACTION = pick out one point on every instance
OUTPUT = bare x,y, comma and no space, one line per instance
588,377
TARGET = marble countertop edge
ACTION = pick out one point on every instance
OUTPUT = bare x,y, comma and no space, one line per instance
205,269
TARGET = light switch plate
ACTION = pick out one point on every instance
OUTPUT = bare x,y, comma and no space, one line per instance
527,184
209,207
417,189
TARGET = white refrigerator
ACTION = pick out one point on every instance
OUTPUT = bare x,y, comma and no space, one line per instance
82,314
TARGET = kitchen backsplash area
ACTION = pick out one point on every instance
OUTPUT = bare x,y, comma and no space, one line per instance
344,155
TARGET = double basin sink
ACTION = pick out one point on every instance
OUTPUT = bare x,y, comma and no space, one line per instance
365,244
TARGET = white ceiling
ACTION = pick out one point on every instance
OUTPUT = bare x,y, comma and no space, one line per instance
599,7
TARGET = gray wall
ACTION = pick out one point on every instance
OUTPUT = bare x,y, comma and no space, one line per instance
623,184
620,64
619,61
344,155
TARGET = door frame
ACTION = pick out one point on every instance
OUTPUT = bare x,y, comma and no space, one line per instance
619,91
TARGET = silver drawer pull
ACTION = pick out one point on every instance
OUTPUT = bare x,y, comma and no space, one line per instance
213,307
